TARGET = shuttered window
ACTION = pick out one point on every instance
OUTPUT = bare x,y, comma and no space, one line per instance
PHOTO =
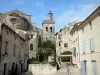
83,46
94,67
91,44
83,67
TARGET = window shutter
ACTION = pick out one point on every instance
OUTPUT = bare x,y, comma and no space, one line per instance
94,67
92,44
82,68
83,46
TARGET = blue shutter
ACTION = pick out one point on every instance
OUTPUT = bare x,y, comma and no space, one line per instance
82,68
94,67
92,44
83,46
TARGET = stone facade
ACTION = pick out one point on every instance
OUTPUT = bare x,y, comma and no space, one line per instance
64,43
13,51
20,23
85,44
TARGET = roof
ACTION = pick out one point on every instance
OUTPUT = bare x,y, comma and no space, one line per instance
17,11
90,17
12,30
72,23
75,27
48,22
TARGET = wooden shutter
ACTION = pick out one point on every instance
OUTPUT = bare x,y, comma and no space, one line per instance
83,46
94,67
91,44
82,68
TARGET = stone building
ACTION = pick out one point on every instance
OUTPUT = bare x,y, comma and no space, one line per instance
85,44
21,24
13,51
74,37
33,43
64,43
85,37
48,27
89,40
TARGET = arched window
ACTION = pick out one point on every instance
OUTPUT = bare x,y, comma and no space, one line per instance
31,46
14,21
51,29
46,28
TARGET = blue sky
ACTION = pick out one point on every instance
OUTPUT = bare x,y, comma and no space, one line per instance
64,11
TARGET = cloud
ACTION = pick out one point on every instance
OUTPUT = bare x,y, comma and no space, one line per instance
39,4
19,2
75,14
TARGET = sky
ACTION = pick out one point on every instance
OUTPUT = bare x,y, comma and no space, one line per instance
64,11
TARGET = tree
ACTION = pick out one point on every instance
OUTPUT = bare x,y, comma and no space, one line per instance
39,41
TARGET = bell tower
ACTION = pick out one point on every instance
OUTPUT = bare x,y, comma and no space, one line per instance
49,28
50,15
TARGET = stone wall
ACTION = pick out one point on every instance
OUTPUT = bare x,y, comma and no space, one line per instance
42,69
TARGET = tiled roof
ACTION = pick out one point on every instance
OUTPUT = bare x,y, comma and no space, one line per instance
48,22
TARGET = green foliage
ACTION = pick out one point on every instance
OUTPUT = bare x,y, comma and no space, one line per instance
39,41
48,44
38,51
45,49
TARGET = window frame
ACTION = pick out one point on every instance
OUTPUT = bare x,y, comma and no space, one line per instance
31,47
50,29
46,29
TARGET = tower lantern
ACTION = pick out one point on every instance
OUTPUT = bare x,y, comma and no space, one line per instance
50,15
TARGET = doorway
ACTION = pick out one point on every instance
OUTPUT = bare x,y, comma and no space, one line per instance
5,68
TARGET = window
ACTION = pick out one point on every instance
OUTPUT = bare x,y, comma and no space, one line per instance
6,47
91,44
90,25
46,28
84,67
14,53
5,69
83,46
14,21
51,29
59,43
94,67
31,46
82,30
7,31
59,36
65,44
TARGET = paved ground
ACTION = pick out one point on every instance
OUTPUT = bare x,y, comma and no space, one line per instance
70,70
